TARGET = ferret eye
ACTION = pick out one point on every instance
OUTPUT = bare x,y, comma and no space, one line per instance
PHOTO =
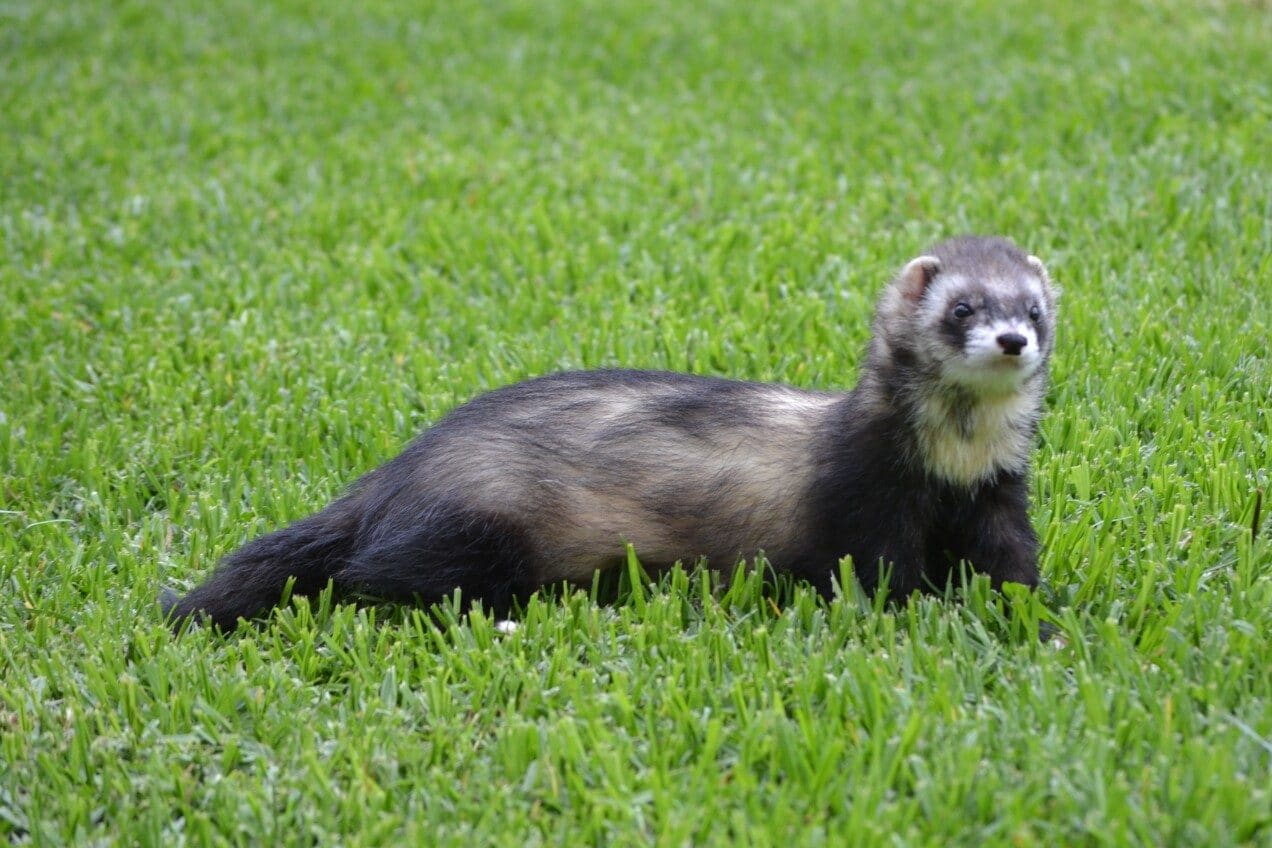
962,310
1034,313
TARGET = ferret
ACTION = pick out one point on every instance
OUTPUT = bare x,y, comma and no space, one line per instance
922,465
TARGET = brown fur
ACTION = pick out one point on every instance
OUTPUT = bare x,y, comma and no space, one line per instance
924,463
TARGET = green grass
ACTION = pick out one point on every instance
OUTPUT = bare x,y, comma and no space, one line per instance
246,252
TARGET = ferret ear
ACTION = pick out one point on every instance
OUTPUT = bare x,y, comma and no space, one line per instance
1036,263
1048,286
916,275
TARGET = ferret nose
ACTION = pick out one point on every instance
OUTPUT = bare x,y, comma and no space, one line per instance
1012,343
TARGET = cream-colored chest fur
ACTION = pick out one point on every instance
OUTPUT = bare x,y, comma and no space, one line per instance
971,443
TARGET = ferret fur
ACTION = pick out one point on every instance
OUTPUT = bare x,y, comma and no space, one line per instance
923,464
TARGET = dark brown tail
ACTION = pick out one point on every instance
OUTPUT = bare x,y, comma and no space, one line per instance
251,580
377,545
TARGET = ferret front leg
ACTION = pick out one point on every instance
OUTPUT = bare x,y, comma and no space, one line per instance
888,547
1000,540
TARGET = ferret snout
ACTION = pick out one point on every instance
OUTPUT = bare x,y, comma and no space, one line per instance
1012,343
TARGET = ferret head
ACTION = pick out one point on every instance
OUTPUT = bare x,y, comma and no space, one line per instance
973,313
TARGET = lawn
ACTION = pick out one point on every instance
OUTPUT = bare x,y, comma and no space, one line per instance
248,250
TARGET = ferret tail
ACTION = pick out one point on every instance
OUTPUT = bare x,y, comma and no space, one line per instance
251,580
